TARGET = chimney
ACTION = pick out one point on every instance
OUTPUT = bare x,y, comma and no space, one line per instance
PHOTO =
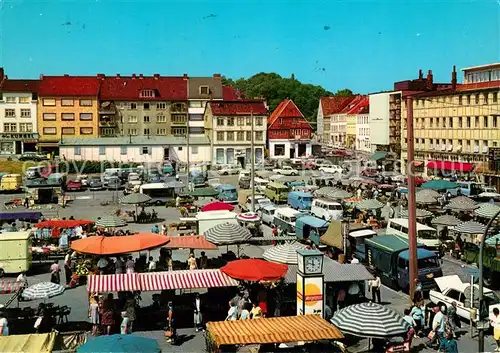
66,75
293,77
118,76
156,76
101,75
429,81
217,76
141,76
420,74
133,76
41,76
454,78
185,77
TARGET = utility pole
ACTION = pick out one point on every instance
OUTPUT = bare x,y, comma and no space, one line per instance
412,209
252,155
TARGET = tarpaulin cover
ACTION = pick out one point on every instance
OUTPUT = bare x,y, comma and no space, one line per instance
273,330
126,282
34,343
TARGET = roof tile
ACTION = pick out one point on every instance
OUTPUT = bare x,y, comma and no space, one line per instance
20,85
286,109
238,107
65,86
334,104
229,93
129,88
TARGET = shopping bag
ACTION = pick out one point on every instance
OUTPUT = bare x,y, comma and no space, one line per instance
431,335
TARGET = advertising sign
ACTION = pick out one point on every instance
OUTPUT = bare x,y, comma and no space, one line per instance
310,296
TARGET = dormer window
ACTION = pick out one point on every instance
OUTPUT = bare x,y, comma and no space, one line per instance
205,90
147,93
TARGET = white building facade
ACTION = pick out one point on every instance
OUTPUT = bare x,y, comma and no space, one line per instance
338,127
18,116
379,120
363,142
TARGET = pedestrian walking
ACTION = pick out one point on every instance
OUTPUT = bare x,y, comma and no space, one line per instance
130,265
495,323
94,313
374,286
130,305
197,314
55,276
67,267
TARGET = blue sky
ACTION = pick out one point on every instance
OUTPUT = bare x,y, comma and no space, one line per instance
362,45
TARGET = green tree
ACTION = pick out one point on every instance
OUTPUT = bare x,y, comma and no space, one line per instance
346,92
275,88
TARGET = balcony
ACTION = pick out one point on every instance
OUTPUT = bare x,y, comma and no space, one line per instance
107,123
178,108
107,108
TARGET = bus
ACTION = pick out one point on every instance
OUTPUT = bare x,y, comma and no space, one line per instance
426,235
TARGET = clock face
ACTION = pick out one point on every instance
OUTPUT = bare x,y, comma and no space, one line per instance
313,264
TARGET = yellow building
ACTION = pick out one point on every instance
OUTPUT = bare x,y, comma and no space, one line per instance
457,129
67,107
351,131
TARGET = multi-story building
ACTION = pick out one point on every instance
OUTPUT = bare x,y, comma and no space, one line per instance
228,125
18,119
457,128
357,106
386,107
329,124
363,136
67,107
144,106
289,132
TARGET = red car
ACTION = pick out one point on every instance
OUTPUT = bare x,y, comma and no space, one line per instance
74,185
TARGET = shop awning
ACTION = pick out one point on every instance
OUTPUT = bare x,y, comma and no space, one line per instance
273,330
187,279
379,155
190,242
453,166
34,343
6,216
126,282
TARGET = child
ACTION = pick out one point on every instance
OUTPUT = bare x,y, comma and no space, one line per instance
124,324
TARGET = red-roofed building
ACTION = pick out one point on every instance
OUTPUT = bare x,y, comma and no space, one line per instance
67,107
331,126
18,119
141,105
289,132
228,124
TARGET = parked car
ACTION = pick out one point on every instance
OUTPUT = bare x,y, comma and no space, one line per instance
331,169
95,184
114,183
452,289
74,185
286,170
32,156
266,213
229,170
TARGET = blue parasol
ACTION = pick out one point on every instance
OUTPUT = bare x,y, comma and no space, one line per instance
120,344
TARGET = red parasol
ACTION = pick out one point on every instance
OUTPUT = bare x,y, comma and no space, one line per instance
101,245
63,223
255,270
217,206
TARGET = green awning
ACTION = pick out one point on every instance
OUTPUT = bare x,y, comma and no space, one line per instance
379,155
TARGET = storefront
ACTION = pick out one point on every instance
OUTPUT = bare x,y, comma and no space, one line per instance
18,143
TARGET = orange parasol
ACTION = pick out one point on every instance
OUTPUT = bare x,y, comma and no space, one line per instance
63,223
101,245
190,242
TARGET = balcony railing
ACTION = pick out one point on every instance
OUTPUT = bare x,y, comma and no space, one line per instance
107,123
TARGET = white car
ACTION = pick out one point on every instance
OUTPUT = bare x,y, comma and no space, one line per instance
266,213
452,289
286,170
331,169
244,174
229,170
260,201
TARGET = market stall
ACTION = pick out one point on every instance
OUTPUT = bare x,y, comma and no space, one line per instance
269,331
40,343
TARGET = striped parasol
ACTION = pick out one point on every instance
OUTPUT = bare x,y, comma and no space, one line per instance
487,210
429,192
227,234
446,220
420,213
110,221
370,320
284,254
369,204
461,206
470,227
324,191
463,199
135,199
425,199
339,194
43,290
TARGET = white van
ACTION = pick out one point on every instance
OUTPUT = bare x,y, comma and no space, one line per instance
285,218
266,213
244,174
327,210
260,184
426,235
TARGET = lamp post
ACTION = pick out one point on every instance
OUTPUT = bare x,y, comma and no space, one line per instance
482,312
345,233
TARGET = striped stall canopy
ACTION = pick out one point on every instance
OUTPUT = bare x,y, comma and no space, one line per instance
273,330
369,204
283,254
470,227
446,220
126,282
461,206
463,199
428,192
419,212
227,234
110,221
7,287
324,191
487,210
186,279
370,320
